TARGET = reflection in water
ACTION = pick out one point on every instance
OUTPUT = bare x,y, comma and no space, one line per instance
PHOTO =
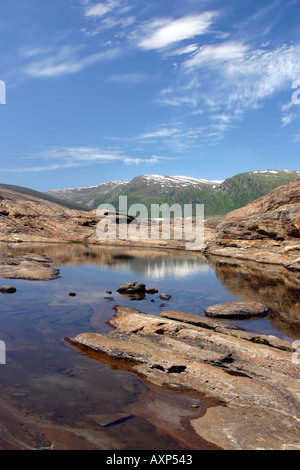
49,381
158,263
271,285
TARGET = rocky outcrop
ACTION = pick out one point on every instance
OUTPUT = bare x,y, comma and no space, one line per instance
265,231
31,267
25,218
237,370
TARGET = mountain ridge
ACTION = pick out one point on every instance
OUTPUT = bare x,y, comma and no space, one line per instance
219,196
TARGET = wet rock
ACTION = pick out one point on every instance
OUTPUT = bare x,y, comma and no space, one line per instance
133,290
151,290
227,366
132,287
108,292
28,266
165,297
8,290
72,294
237,311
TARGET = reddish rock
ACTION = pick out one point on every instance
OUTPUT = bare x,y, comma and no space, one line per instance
237,310
234,368
266,230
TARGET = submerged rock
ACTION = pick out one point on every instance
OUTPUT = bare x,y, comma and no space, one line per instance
237,310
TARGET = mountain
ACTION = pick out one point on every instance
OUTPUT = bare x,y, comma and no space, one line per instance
87,196
44,196
219,197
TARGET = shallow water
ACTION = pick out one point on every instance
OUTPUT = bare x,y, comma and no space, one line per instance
47,382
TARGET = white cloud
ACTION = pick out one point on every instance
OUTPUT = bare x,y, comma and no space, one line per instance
100,9
231,77
288,118
67,60
185,50
161,33
211,55
160,133
138,161
74,157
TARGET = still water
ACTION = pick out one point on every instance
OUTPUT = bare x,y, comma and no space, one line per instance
54,396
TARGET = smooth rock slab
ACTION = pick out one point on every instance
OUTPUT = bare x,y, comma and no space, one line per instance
241,429
237,311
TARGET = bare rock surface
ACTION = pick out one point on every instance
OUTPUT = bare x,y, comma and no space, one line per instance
237,310
266,230
28,266
234,368
30,219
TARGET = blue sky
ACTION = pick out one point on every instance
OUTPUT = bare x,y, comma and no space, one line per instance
102,91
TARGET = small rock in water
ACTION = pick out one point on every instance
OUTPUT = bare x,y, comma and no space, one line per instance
133,290
8,290
165,297
151,290
108,292
132,287
72,294
237,310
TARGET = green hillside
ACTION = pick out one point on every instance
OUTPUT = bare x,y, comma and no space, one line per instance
233,193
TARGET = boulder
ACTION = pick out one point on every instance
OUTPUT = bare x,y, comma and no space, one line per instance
132,287
133,290
237,310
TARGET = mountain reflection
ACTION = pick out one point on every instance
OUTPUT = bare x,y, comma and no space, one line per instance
271,285
158,263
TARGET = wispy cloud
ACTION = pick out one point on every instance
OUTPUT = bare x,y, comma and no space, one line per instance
100,9
288,118
73,157
230,78
67,60
213,54
184,137
163,32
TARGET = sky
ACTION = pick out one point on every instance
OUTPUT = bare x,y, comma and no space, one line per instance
104,91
